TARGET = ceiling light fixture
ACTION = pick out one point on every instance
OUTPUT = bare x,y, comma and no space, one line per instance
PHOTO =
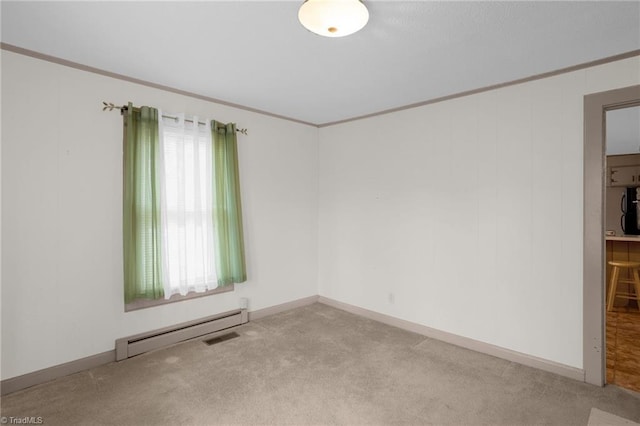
333,18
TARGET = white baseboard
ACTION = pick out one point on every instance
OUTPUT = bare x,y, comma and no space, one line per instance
271,310
37,377
41,376
465,342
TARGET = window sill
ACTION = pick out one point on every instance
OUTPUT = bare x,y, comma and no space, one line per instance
150,303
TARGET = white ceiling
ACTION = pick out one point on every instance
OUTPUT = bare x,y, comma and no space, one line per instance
256,54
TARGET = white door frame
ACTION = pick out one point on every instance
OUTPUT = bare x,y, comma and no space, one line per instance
595,107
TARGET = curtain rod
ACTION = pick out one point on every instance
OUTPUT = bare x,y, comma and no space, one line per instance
109,106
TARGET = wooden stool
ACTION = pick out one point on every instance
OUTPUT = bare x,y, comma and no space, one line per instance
615,279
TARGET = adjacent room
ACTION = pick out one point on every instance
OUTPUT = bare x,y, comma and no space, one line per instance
320,212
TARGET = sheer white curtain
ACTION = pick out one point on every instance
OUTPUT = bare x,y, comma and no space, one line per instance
186,194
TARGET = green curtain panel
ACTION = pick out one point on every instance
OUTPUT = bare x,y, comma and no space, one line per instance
141,213
227,209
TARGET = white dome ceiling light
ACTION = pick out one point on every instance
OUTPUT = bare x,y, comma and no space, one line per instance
333,18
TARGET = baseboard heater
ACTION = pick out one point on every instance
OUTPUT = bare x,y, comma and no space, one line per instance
127,347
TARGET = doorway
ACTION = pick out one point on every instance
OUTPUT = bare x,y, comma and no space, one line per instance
594,271
622,241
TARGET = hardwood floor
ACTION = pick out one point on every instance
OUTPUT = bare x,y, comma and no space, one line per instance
623,347
623,324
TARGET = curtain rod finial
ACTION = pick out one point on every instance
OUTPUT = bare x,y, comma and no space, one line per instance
109,106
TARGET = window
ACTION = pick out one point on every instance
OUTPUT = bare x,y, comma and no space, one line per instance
182,216
186,184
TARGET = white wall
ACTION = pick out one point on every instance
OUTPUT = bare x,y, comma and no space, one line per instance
62,295
469,211
452,207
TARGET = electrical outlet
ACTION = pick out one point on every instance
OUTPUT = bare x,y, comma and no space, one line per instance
391,298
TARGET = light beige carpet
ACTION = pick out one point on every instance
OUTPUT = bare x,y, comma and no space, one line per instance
317,366
602,418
